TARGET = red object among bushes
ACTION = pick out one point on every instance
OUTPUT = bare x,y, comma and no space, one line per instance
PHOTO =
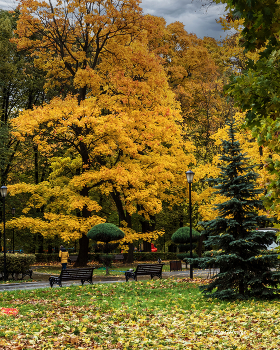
153,248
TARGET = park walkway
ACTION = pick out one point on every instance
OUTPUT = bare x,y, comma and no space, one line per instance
45,284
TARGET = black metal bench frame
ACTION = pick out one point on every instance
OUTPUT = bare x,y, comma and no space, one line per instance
83,274
145,269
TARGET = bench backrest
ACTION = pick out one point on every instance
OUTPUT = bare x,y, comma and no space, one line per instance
147,269
81,273
73,257
119,256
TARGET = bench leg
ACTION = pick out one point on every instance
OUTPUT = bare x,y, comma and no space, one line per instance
51,281
88,280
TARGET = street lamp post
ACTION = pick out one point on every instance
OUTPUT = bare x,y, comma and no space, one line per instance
13,213
4,191
190,175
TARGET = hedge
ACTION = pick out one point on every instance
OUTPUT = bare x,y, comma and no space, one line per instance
46,257
138,256
16,263
149,256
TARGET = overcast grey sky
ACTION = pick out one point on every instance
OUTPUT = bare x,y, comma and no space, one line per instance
197,19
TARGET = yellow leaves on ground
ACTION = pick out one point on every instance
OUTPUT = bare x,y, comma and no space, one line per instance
144,315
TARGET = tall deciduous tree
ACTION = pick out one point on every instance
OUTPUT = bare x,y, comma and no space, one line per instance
116,121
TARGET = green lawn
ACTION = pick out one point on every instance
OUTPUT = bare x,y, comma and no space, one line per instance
160,314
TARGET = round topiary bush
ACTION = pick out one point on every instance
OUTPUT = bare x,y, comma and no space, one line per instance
105,233
182,235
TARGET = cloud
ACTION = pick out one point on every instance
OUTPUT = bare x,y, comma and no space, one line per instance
197,19
8,4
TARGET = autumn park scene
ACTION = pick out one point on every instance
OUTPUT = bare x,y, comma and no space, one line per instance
139,169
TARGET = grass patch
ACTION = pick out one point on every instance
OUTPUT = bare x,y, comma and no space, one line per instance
159,314
17,281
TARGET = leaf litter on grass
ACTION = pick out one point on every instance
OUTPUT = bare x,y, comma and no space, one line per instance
162,314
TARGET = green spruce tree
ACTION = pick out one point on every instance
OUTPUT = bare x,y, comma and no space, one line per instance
245,264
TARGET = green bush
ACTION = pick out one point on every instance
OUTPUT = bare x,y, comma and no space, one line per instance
182,235
105,232
46,257
149,256
16,263
138,256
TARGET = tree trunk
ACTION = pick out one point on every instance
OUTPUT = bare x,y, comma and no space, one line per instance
40,243
123,216
148,227
241,288
83,252
130,258
199,245
146,246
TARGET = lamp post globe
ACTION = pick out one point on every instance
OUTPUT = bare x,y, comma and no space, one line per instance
4,191
190,176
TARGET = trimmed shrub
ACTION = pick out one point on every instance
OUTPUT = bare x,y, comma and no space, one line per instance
45,257
16,263
105,232
149,256
138,256
182,235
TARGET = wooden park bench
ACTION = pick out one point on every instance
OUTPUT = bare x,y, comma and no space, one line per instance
119,257
72,259
145,269
84,274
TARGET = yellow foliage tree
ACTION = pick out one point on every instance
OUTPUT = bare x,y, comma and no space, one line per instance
115,125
